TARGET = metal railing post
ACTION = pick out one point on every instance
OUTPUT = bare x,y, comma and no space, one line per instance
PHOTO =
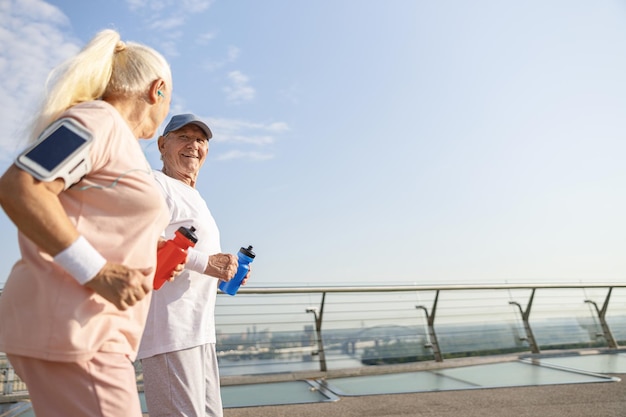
534,347
9,377
318,332
606,331
430,319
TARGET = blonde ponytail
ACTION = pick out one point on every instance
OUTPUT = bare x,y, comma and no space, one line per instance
106,66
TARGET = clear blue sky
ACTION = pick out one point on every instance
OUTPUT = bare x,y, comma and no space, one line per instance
368,141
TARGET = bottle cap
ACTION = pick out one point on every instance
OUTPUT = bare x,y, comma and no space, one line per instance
188,233
248,252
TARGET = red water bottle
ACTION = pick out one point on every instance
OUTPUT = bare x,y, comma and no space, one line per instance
171,254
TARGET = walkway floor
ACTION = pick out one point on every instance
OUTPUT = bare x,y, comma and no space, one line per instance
533,391
571,400
585,385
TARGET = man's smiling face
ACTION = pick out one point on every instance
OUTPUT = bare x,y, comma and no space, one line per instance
184,152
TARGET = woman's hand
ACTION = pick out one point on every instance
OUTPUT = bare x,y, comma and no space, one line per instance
120,285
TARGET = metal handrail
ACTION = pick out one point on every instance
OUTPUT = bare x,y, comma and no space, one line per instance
400,288
416,287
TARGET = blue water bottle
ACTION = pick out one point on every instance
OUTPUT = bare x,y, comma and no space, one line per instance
244,256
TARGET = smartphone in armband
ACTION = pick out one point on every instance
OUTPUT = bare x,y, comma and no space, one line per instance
61,151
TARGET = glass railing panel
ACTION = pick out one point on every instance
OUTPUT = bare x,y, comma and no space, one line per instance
616,314
296,329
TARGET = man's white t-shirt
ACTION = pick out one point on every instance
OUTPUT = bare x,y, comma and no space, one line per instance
182,311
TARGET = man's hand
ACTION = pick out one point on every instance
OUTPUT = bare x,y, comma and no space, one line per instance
222,266
178,269
121,285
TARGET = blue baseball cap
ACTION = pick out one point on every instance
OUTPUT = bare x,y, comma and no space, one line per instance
181,120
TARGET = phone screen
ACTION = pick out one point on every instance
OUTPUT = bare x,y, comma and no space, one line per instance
55,148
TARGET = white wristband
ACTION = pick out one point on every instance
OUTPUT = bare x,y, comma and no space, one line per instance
196,260
81,260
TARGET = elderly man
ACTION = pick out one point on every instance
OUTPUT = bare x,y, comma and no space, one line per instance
177,352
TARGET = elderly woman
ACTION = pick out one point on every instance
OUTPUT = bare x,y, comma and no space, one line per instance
74,306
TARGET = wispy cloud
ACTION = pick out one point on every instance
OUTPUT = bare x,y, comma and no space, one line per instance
182,6
194,6
231,56
168,19
169,48
235,133
35,38
290,94
236,154
205,38
234,130
136,4
33,42
233,53
168,23
240,90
